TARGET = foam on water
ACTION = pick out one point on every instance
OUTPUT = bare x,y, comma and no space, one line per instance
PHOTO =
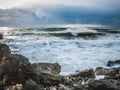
72,54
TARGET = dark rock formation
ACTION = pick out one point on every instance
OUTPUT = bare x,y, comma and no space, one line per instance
32,85
1,36
4,51
100,71
111,63
12,64
102,85
47,68
86,73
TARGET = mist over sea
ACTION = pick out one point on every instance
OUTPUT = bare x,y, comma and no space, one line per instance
74,47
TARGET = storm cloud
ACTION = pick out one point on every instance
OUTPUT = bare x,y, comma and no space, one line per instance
36,12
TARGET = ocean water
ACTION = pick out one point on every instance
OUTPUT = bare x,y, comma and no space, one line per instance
74,47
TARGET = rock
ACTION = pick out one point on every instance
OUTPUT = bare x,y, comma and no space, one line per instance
89,80
16,67
79,78
68,81
111,63
86,73
4,51
63,87
12,64
14,87
53,88
112,73
102,85
1,36
99,71
81,87
48,80
53,69
32,85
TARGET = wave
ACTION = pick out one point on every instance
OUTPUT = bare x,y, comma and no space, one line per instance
78,34
107,30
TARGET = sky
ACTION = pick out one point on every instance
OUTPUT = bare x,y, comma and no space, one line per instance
32,12
94,4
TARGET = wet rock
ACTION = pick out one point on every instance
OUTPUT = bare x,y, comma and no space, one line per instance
102,85
89,80
32,85
86,73
62,87
14,87
79,78
99,71
16,67
112,73
53,69
4,51
50,80
81,87
111,63
53,88
12,64
1,36
68,81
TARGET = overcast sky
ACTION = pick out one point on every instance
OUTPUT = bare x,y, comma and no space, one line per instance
95,4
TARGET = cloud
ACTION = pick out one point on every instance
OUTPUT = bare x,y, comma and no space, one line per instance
93,4
36,12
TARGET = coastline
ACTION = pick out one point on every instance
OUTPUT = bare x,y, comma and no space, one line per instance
17,73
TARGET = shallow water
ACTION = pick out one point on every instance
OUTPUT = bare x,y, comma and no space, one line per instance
73,47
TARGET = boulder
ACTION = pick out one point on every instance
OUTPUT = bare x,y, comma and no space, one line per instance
48,80
12,64
102,85
112,73
32,85
111,63
1,36
86,73
16,67
99,71
48,68
4,51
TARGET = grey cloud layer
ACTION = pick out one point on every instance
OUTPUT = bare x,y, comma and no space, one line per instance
95,4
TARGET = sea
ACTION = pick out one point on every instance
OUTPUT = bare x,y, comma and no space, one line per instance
75,47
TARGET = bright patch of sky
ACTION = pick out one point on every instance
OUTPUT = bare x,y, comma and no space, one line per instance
93,4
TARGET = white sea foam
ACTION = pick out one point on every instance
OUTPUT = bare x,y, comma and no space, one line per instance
71,54
98,77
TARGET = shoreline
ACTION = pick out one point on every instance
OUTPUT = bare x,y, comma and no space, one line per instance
23,75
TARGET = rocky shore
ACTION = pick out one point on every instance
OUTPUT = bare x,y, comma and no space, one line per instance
17,73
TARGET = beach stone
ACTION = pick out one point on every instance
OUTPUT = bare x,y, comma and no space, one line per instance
32,85
86,73
112,71
4,51
13,63
99,71
48,68
102,85
112,63
1,36
49,80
